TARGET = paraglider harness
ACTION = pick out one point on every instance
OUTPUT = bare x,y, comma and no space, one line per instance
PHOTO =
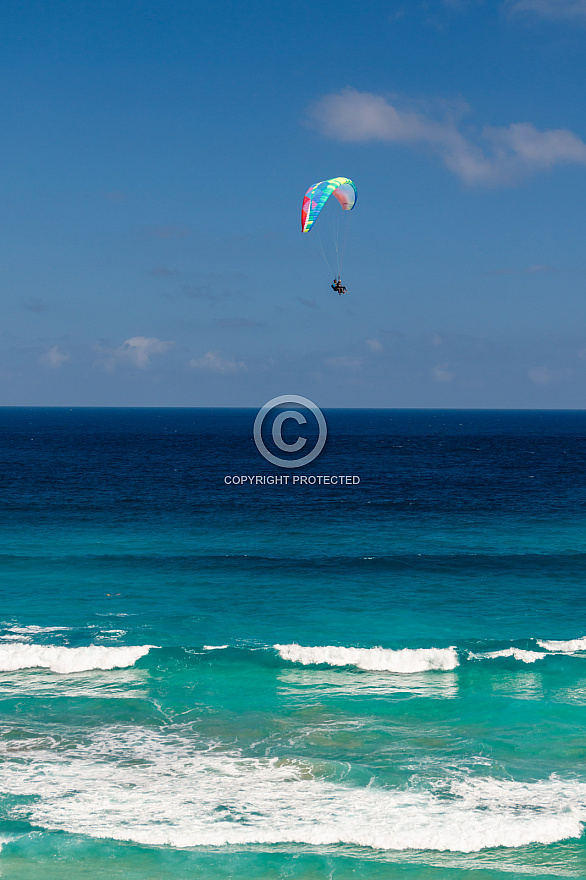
338,286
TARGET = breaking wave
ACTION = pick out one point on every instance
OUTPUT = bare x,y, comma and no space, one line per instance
16,656
159,790
568,647
403,660
517,653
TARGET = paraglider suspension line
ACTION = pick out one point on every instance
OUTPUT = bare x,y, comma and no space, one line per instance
344,241
335,228
321,248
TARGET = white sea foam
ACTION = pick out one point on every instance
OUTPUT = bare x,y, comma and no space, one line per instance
403,660
25,633
157,789
568,647
109,635
65,660
30,632
215,647
517,653
33,629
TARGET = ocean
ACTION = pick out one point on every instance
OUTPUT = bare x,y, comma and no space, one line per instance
381,677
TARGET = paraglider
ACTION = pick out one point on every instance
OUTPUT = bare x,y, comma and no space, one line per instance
344,190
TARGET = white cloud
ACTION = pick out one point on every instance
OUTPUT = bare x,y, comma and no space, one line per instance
550,8
213,362
547,376
542,149
539,269
495,155
54,358
138,351
540,375
374,344
442,373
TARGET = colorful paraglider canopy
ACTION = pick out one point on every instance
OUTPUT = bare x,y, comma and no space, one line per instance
318,194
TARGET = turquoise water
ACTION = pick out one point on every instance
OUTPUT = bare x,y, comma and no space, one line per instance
384,680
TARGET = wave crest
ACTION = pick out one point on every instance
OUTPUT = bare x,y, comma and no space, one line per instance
517,653
568,647
403,660
66,660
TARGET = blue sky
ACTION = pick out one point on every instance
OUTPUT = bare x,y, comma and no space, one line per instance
155,156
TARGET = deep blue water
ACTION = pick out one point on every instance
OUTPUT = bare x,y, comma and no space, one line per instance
382,680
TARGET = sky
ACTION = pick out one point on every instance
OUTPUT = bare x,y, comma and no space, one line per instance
154,158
